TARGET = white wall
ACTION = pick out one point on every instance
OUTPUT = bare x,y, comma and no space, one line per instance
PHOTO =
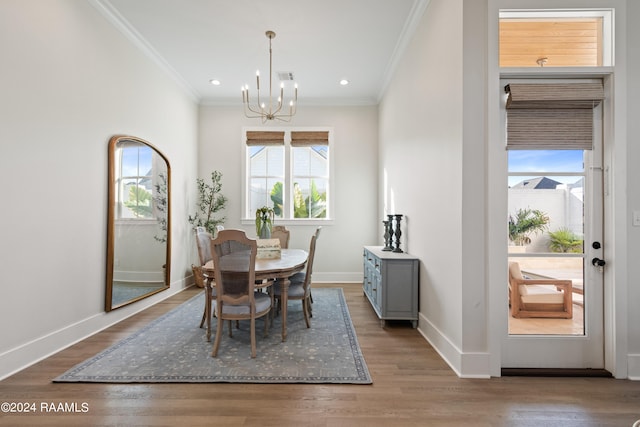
69,82
355,220
432,162
562,206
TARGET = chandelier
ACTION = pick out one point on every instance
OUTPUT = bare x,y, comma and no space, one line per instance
269,110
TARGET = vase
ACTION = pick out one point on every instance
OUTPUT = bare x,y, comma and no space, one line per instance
265,230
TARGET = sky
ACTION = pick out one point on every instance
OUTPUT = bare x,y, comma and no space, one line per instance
545,163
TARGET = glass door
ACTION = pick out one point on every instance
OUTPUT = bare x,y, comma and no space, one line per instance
555,250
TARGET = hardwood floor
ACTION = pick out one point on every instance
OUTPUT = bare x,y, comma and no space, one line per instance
412,386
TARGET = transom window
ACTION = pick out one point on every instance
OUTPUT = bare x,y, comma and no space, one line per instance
288,171
568,38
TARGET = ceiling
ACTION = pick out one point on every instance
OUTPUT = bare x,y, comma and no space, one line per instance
320,42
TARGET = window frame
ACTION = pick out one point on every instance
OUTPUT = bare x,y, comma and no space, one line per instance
121,194
248,218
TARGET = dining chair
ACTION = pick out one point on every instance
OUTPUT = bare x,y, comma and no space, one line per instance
203,242
300,283
281,233
237,297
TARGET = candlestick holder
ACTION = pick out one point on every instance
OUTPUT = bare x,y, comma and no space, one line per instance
387,236
397,233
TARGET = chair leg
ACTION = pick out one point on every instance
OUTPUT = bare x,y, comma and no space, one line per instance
305,310
267,324
253,338
204,313
216,343
204,317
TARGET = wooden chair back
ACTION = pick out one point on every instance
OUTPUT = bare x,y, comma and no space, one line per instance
312,253
234,262
203,241
280,232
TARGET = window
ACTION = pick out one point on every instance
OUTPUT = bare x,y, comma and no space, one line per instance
135,199
140,195
553,38
288,171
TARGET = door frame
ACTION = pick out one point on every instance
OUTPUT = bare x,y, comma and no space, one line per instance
587,349
497,196
615,183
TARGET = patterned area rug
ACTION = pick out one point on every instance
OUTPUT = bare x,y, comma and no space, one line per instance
173,349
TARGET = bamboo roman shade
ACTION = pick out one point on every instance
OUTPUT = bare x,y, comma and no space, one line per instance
265,138
307,138
551,115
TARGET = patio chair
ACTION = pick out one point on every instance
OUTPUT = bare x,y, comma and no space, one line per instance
539,297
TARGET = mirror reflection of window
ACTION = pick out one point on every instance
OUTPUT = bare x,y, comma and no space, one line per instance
139,226
135,188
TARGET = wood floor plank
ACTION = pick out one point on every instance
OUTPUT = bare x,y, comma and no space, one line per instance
412,386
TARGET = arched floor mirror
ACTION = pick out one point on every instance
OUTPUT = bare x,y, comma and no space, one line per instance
139,222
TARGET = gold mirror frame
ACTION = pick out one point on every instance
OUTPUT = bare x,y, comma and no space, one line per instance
138,222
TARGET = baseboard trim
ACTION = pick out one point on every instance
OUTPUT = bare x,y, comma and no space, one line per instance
465,365
633,366
337,277
555,372
16,359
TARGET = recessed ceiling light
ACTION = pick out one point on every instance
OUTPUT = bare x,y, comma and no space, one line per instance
344,82
215,82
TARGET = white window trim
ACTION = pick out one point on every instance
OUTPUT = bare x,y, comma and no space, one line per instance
288,174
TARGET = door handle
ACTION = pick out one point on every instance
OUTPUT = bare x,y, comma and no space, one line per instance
599,263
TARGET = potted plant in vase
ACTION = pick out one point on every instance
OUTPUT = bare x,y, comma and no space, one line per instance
210,201
264,222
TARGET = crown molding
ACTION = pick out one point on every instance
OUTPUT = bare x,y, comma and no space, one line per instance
107,10
410,27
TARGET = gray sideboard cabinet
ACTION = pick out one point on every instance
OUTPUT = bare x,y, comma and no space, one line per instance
391,284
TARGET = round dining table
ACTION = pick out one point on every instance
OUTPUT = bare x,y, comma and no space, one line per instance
291,261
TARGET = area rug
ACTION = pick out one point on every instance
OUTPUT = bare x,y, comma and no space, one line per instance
173,349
